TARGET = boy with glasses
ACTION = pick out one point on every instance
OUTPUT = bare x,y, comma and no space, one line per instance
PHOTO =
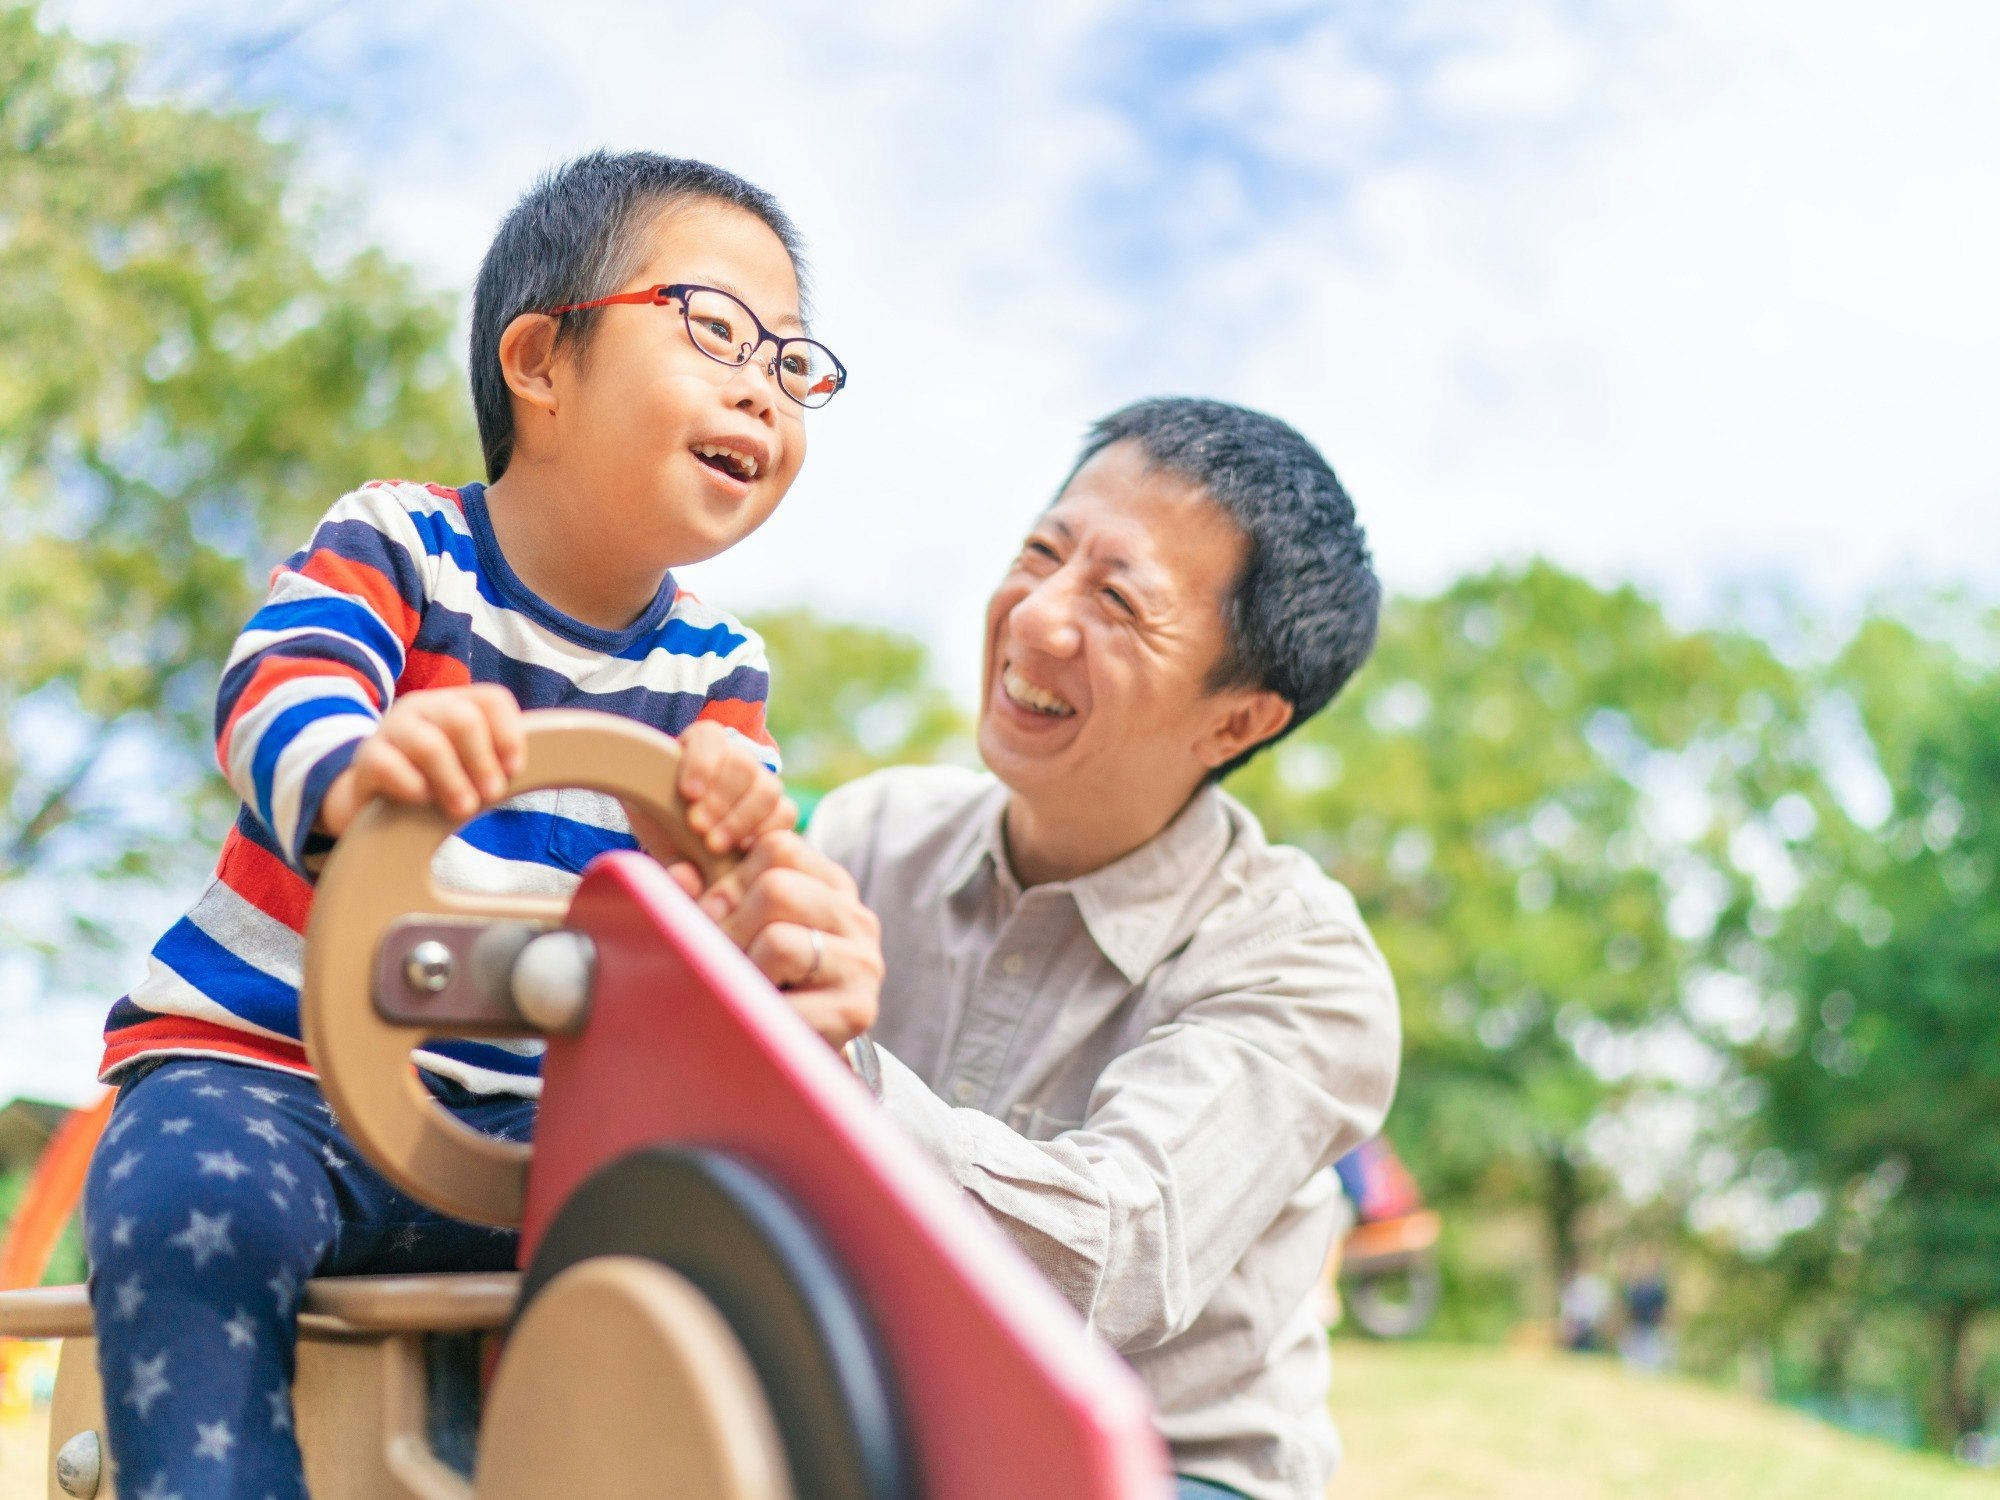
636,415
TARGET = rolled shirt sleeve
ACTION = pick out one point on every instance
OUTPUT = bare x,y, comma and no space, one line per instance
1195,1138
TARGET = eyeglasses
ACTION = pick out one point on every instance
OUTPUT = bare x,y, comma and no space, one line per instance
721,327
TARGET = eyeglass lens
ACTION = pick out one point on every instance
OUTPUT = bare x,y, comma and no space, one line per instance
723,329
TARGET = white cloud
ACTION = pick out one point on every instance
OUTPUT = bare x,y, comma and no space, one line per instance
1694,292
1697,293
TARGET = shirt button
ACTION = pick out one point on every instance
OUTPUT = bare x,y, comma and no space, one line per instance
1013,963
964,1091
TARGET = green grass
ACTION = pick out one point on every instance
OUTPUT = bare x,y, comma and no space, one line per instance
1445,1422
1439,1422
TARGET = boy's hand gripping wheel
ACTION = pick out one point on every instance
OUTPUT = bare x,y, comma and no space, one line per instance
393,960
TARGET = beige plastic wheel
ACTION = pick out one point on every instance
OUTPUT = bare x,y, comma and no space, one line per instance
622,1382
380,872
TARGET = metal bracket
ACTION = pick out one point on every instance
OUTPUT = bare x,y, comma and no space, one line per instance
453,976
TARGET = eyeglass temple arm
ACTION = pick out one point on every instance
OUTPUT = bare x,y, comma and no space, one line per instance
650,294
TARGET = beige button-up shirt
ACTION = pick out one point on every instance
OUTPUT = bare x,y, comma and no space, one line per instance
1142,1074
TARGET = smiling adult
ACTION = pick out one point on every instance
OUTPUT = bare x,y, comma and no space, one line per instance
1133,1030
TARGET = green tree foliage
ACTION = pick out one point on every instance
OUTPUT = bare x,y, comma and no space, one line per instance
193,372
1488,788
1882,1088
847,699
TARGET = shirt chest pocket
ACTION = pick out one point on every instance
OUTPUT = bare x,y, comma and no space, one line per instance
583,825
1039,1124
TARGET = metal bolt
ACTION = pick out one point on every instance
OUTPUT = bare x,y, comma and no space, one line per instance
551,981
427,968
80,1465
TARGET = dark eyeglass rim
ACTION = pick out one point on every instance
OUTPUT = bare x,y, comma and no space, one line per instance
677,291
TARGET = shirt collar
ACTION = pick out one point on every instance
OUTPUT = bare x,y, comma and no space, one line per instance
986,848
1132,906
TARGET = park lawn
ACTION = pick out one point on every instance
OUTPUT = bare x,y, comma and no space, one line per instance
1443,1422
1446,1422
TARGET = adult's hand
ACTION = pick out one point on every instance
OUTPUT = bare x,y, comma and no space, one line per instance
773,903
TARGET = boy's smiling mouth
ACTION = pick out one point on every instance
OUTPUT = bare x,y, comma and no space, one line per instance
741,459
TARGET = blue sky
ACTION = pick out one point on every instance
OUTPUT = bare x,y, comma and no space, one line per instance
1686,291
1680,290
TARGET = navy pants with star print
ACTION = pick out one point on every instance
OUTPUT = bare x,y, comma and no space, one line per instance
217,1190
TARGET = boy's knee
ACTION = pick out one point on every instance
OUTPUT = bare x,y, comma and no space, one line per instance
183,1207
130,1180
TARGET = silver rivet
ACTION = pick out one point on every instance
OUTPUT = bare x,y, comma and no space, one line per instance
427,968
551,981
80,1465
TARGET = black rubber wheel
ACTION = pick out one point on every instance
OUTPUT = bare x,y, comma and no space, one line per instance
739,1239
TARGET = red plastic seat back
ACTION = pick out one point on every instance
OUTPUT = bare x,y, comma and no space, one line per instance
1006,1394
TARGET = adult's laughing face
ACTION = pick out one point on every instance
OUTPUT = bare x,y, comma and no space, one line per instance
1109,694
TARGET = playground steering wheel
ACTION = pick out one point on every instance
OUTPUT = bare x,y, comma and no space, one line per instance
378,879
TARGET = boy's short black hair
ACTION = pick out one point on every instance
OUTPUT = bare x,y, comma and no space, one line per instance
1303,616
574,236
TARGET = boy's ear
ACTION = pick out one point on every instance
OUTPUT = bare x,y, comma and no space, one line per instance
528,358
1249,717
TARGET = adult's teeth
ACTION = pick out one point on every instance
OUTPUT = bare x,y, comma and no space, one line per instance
1028,695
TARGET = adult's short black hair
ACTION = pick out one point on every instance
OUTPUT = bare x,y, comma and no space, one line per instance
578,234
1302,618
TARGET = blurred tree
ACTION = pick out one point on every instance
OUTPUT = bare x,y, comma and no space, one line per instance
1520,787
847,699
1881,1097
193,372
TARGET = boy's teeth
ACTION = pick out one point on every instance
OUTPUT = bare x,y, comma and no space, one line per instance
742,463
1028,695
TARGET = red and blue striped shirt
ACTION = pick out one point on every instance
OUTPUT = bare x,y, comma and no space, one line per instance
404,587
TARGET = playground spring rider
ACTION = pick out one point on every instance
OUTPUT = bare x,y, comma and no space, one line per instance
741,1282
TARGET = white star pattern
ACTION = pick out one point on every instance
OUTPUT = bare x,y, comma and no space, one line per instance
241,1330
327,1110
284,1289
122,1168
332,1157
319,1204
176,1127
405,1239
205,1237
200,1072
131,1296
223,1164
264,1095
265,1130
210,1091
285,1175
281,1409
149,1383
158,1490
119,1126
213,1440
121,1232
284,1203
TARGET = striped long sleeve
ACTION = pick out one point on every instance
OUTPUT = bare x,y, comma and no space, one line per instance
316,667
404,588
